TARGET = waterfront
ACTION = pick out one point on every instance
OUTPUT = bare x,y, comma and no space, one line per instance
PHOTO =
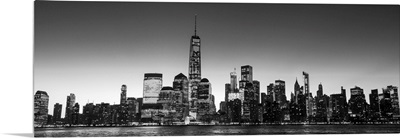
214,130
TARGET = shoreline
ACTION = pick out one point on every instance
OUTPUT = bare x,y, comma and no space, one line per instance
311,124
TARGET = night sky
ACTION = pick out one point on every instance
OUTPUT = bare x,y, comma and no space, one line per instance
92,48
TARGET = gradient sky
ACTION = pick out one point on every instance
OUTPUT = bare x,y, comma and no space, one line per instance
92,48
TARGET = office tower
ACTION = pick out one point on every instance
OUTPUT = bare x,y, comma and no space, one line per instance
296,91
374,104
234,110
343,92
357,104
247,73
204,100
152,85
280,92
194,71
57,112
123,95
270,91
338,106
321,102
75,114
89,114
169,99
256,86
181,85
233,85
69,108
133,109
319,91
394,99
307,94
41,103
227,91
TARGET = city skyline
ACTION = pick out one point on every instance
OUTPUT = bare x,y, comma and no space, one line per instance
67,62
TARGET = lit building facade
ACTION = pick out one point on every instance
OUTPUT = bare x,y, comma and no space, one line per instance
152,85
194,71
40,111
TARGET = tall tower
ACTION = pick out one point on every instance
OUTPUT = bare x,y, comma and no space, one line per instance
247,73
307,94
69,108
123,95
296,91
233,81
320,91
194,70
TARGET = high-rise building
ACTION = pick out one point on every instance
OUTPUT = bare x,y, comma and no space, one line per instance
152,85
204,100
296,91
256,85
133,109
270,91
234,110
394,99
40,111
123,95
374,113
319,91
357,104
75,114
307,94
69,108
194,71
233,85
280,92
57,112
247,73
374,101
181,85
227,91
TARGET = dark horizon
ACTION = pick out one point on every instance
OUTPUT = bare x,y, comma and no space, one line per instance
92,48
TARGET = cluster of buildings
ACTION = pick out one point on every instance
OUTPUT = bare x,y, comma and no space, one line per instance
245,104
190,101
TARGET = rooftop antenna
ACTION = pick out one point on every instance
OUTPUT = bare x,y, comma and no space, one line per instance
195,25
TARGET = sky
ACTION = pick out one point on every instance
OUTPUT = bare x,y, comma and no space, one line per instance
92,48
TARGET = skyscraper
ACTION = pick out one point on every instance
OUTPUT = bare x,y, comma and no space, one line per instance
233,85
319,91
280,92
374,104
204,100
194,70
227,91
394,99
69,108
307,94
296,91
123,95
247,73
357,104
57,112
40,111
181,84
152,85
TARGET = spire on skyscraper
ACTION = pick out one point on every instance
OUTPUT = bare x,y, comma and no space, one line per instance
195,25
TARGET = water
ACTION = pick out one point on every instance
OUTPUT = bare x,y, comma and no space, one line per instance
214,130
